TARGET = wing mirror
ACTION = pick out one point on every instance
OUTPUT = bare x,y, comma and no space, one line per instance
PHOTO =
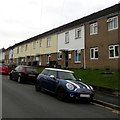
13,70
52,77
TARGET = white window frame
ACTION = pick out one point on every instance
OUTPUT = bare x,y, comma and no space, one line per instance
111,23
59,55
95,50
22,48
77,52
112,48
94,28
40,43
40,60
66,37
26,46
78,33
48,58
17,50
34,45
48,42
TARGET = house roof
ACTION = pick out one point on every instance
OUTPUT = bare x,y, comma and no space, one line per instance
2,49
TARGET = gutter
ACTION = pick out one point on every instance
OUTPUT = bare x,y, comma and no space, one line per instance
106,104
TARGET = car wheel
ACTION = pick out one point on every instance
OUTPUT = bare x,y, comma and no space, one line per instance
90,100
61,94
37,86
19,79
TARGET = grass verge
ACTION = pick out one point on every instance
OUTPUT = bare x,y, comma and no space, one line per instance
100,78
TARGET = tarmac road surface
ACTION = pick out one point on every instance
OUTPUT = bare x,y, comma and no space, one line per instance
22,101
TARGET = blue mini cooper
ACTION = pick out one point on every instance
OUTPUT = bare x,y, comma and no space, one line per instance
64,84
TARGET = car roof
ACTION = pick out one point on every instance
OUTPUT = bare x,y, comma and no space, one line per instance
3,64
25,66
61,70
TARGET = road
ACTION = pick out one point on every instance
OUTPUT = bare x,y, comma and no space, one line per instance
22,101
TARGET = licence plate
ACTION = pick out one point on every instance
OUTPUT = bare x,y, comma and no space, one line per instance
31,75
85,95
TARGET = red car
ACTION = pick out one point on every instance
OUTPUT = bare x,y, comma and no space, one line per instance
4,69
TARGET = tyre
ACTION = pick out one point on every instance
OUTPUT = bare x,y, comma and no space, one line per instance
60,94
37,86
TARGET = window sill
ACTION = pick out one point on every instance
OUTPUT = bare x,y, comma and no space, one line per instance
93,58
93,33
114,57
112,29
59,59
78,37
77,62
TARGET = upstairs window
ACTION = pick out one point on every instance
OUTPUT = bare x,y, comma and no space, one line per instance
26,46
112,23
40,43
114,51
17,50
48,42
94,53
34,44
93,28
78,33
22,48
66,37
77,55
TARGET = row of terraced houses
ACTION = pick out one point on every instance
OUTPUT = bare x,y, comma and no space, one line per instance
90,42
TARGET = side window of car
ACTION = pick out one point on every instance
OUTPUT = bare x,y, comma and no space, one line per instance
62,75
51,72
16,69
20,70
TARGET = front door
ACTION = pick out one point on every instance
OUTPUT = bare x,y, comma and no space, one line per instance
66,59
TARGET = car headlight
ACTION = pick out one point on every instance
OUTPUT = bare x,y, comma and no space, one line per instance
69,86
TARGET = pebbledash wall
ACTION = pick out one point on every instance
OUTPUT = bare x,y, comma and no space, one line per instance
90,42
36,50
71,47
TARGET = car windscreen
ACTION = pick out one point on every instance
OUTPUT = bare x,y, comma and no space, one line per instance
66,75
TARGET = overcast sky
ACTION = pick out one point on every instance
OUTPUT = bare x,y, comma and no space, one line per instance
23,19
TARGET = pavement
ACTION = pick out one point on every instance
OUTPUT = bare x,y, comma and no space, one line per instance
108,98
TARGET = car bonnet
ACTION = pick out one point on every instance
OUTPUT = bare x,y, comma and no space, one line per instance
78,84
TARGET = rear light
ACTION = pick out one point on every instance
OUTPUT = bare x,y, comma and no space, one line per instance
4,68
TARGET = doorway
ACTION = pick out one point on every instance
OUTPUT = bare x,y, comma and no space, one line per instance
66,59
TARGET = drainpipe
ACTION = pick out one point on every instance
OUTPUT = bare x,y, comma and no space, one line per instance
84,46
84,60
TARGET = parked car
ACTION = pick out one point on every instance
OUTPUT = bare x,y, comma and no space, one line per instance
12,66
64,84
4,69
24,73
